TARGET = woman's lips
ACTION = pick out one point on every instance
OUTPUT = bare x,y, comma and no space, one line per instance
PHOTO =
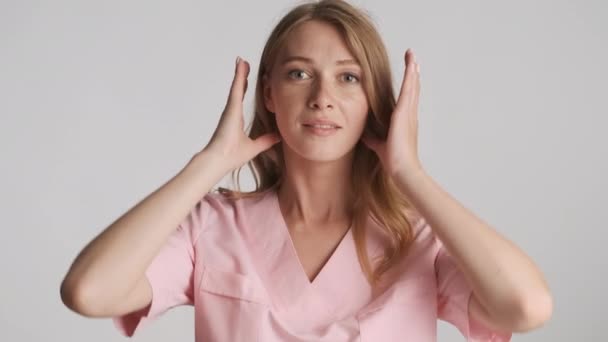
320,131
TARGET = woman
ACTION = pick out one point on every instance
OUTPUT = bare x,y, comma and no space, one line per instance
345,238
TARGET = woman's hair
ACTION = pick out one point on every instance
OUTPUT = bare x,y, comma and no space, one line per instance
373,192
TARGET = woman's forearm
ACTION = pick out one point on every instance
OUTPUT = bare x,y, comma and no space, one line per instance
112,263
505,281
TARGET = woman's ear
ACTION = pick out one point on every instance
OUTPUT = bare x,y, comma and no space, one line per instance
267,93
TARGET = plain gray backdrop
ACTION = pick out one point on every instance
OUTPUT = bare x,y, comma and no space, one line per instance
102,102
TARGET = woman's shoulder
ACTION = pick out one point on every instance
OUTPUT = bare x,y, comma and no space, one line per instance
233,207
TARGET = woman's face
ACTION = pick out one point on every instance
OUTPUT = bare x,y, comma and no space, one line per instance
316,77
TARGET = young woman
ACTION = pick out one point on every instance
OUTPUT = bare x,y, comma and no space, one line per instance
346,237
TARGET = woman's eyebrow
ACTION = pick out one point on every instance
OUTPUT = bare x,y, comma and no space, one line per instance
310,61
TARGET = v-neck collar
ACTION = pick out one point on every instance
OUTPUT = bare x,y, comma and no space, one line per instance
295,260
339,287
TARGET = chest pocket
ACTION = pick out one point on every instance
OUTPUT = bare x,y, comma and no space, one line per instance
405,312
230,306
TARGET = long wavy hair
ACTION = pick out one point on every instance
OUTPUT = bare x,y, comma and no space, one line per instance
374,194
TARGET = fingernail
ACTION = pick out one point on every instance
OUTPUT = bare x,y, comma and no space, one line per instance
238,59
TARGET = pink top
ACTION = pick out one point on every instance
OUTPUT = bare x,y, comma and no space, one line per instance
236,263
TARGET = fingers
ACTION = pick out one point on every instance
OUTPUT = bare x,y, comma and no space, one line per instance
411,80
265,142
239,83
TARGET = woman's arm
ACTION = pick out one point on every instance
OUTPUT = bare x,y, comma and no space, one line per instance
101,279
110,267
509,291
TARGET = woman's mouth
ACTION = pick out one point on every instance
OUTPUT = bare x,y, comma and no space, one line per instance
321,130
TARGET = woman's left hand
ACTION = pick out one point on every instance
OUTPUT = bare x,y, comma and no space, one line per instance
399,153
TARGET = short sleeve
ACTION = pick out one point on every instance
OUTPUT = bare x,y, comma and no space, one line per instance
170,273
454,294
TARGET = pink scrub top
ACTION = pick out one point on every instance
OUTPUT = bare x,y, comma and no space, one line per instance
235,262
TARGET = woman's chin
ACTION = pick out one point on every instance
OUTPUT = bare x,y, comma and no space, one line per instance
325,154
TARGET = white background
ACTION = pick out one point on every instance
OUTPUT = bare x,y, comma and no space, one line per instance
102,102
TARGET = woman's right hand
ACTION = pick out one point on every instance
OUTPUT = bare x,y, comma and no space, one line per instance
229,139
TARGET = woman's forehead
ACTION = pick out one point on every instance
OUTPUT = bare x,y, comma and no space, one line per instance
315,38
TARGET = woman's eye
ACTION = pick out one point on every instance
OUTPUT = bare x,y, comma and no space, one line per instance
301,74
298,74
353,78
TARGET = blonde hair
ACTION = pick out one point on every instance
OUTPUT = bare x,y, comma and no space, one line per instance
374,193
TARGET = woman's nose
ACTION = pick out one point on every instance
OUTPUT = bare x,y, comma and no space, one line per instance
321,96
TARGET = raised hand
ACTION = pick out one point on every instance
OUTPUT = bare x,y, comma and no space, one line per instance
229,139
399,153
